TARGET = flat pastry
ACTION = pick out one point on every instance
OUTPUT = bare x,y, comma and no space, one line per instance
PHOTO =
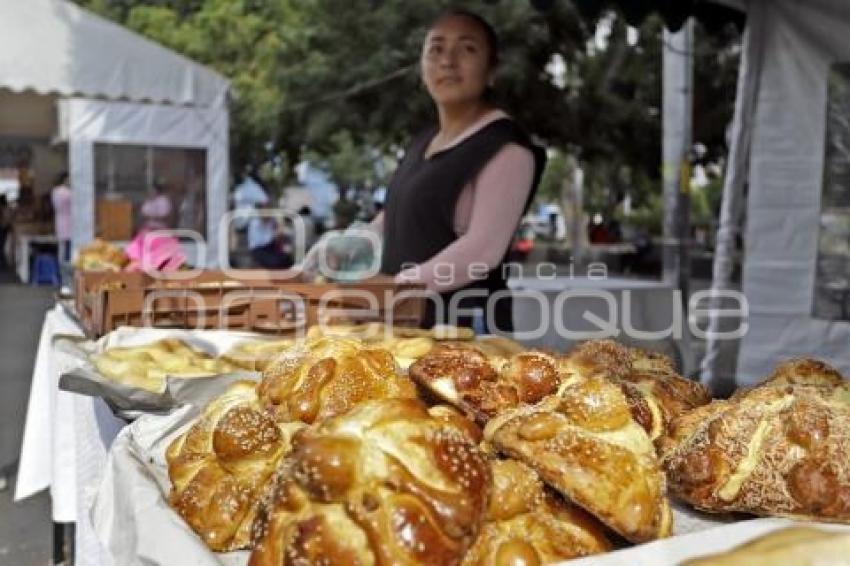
328,376
386,484
483,387
775,450
584,442
526,523
219,466
256,355
146,367
793,546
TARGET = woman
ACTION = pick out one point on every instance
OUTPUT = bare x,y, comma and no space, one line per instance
60,198
456,198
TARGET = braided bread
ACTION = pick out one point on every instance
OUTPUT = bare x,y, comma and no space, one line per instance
385,484
327,376
219,466
798,371
483,387
584,442
779,449
528,524
655,392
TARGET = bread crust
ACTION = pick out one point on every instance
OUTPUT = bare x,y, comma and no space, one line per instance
219,467
484,386
782,448
528,521
328,376
585,443
386,483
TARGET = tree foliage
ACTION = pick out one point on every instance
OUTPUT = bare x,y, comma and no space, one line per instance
324,76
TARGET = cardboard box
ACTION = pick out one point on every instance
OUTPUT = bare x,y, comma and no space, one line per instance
114,220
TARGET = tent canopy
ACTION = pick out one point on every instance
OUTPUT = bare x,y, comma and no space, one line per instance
53,46
789,141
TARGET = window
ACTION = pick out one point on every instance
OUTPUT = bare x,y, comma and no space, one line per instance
125,177
832,278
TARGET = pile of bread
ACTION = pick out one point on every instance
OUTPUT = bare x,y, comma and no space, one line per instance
147,366
100,255
485,453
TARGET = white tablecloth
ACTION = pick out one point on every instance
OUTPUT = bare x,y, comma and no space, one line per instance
66,440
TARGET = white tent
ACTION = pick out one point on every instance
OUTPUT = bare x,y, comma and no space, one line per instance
109,86
789,146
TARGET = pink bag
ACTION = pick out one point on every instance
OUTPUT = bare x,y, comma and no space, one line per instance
150,251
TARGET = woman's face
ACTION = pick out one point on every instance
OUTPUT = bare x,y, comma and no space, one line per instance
456,61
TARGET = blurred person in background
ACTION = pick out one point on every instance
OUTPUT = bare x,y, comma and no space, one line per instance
157,209
60,198
306,215
5,226
267,242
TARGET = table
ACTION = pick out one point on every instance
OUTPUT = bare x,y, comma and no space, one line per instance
651,305
66,440
22,252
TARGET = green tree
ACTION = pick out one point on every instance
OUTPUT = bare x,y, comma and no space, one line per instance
305,70
553,177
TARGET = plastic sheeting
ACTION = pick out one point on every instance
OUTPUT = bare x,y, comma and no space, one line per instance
53,46
801,40
87,122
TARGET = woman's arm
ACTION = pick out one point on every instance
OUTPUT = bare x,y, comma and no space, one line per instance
500,193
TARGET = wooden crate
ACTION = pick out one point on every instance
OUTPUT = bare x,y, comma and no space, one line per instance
105,301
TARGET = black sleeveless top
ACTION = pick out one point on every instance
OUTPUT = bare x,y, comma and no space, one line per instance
420,206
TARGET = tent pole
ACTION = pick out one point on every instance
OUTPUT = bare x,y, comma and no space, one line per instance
718,371
677,108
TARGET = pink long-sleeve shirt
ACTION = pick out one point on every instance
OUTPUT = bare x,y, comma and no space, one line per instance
486,215
61,199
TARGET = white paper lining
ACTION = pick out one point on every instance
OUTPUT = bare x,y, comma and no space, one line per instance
79,375
133,521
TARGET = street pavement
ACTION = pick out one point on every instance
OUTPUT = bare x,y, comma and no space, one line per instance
26,535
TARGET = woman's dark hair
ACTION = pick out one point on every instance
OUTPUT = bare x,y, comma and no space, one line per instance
489,32
62,178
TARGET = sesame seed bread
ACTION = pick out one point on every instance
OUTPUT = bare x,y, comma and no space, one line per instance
583,442
485,383
220,465
527,523
484,386
655,392
327,376
386,483
781,448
